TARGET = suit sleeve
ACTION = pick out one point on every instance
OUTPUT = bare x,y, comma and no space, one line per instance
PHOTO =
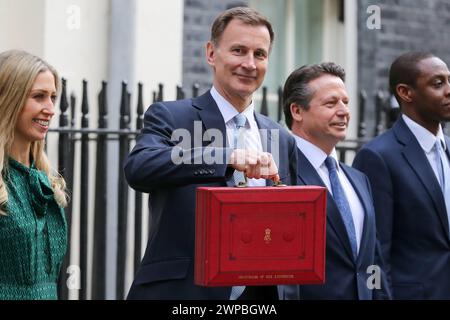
157,161
374,166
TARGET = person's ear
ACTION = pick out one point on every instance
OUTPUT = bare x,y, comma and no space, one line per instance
210,53
297,112
405,92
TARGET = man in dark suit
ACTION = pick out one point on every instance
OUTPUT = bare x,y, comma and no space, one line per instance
191,143
316,110
408,170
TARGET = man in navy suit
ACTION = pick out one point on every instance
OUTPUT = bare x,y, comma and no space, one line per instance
190,143
316,110
408,170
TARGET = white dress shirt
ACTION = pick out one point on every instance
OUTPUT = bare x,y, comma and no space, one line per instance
317,157
252,136
427,141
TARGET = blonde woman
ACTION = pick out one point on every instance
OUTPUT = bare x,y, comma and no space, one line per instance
33,230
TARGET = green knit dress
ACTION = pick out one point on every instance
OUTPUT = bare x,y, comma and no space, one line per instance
33,236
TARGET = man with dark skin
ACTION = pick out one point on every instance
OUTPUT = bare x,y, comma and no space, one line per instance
408,167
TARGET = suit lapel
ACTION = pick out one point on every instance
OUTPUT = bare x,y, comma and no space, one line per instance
416,158
366,202
212,119
210,114
309,176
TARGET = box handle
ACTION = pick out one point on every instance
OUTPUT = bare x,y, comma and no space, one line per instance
244,184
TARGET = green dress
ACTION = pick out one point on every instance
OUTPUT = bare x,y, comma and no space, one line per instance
33,236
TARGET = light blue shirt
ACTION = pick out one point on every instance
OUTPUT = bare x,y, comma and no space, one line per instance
252,136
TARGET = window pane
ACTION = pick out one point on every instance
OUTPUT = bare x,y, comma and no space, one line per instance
298,27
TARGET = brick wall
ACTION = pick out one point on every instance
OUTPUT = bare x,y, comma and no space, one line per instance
198,18
405,25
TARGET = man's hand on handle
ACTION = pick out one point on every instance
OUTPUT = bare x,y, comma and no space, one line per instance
255,164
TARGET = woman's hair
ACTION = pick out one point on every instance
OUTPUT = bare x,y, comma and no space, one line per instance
18,72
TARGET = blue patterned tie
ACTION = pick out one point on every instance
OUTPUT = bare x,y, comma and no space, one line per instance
238,176
342,203
442,164
239,143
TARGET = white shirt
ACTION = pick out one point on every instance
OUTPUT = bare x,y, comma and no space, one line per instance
252,136
317,157
427,141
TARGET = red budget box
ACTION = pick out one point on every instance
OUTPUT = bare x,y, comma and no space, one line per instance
260,236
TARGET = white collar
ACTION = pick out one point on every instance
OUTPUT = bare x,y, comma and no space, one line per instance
425,138
229,112
313,153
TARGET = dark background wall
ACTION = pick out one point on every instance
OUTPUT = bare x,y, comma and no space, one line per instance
405,25
198,18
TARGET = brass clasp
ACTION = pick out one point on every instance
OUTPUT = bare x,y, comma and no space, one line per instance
244,184
279,184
